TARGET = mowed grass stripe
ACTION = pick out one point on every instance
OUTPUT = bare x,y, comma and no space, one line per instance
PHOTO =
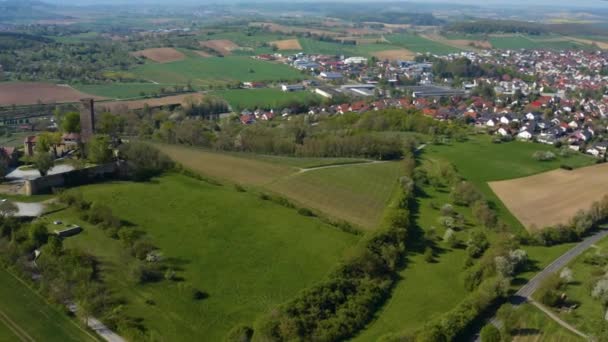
42,321
14,327
355,193
227,167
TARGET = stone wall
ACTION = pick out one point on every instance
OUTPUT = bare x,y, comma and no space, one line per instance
45,185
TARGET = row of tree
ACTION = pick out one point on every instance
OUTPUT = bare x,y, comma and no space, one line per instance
341,305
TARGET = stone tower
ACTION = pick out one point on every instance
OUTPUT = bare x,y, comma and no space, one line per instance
87,119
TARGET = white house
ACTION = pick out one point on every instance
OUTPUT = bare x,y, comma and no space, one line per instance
524,135
292,87
593,151
355,60
502,131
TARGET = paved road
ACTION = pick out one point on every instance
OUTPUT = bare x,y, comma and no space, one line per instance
97,326
525,292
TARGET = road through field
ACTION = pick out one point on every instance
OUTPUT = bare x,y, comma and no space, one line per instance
525,293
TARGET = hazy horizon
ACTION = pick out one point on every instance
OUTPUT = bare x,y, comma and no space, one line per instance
482,3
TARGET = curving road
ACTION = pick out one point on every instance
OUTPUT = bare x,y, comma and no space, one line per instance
525,292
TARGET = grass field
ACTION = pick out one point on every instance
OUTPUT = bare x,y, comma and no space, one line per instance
480,161
267,98
585,276
202,71
427,290
330,48
355,193
25,316
535,42
534,325
249,255
119,90
420,44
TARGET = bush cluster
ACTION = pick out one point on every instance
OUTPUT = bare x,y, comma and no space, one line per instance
580,225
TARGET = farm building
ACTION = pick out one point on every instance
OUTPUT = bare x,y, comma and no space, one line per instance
71,231
292,87
331,76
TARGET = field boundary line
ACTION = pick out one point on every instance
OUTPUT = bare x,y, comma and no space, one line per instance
304,170
50,305
15,328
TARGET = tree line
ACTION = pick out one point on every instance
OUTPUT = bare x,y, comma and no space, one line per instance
496,26
342,304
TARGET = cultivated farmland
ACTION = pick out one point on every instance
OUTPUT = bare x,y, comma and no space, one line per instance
152,102
420,44
395,55
247,254
119,90
203,71
480,161
357,193
25,316
288,44
221,46
553,197
267,98
27,93
160,55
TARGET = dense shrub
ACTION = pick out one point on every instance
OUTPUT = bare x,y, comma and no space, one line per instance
240,333
144,161
580,225
490,333
465,193
544,156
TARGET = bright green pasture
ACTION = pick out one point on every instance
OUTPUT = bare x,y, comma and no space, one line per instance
216,69
248,254
24,315
481,161
420,44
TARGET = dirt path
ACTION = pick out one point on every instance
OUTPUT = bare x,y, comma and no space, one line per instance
304,170
97,326
558,320
524,295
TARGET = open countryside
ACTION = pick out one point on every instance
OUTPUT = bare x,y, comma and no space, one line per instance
308,171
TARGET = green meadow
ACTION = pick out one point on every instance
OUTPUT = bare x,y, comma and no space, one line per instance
357,193
420,44
481,161
246,253
266,98
25,316
204,71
